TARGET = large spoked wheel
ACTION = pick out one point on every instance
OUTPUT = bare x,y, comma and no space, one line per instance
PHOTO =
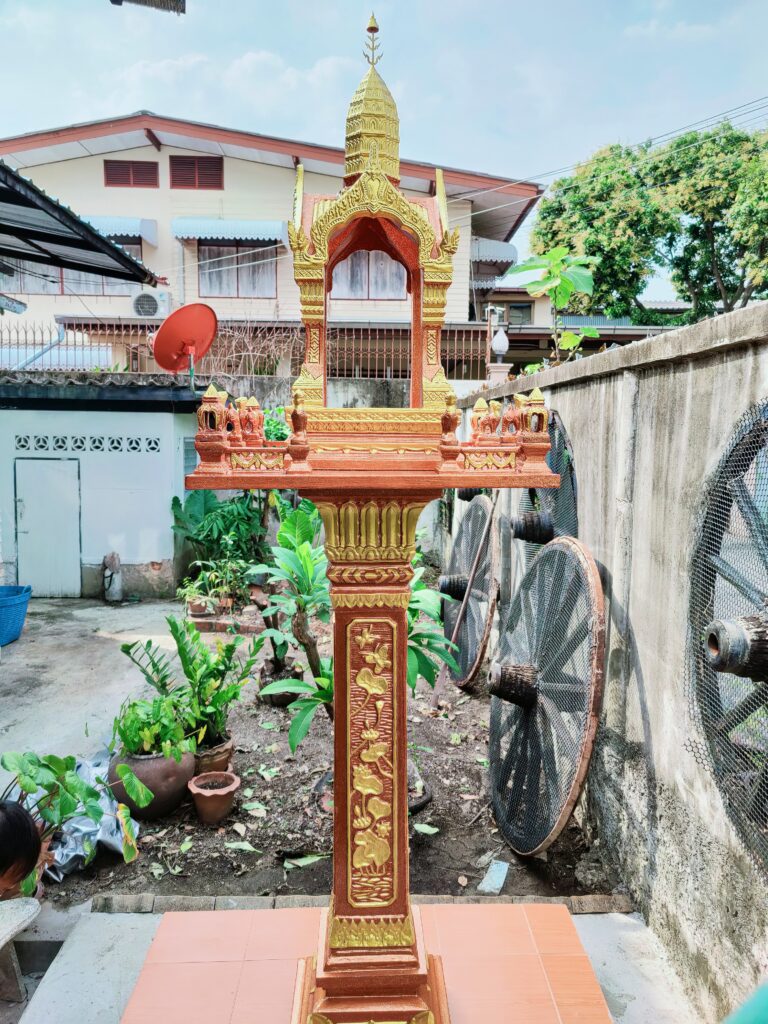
728,637
546,684
472,580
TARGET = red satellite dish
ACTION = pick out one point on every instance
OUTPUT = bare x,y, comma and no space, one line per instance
184,337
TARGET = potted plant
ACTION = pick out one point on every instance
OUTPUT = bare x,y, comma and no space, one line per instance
195,597
214,678
214,794
53,793
156,742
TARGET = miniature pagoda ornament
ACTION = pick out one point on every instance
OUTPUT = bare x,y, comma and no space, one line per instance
371,472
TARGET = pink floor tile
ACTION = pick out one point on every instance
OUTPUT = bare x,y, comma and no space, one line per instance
202,937
283,934
265,985
197,993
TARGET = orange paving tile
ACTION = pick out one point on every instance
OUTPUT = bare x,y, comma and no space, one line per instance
502,963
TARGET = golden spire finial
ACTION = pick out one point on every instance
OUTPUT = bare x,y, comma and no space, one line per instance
372,56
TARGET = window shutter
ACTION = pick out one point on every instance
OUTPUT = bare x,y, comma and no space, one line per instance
145,173
183,172
197,172
131,173
117,173
210,172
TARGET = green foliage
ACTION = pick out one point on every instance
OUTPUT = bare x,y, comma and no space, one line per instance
563,277
275,426
695,207
216,529
428,648
213,681
163,725
54,793
303,572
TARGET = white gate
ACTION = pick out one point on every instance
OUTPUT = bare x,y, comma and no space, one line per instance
48,526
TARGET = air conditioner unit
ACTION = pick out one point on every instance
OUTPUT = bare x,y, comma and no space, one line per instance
152,303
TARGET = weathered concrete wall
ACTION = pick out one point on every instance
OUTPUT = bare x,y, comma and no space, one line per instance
647,424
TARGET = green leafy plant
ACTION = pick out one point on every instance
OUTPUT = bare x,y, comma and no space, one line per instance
301,572
232,529
428,647
275,426
213,678
53,793
196,591
164,725
563,275
427,650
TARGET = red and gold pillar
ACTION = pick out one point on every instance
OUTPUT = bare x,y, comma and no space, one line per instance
371,964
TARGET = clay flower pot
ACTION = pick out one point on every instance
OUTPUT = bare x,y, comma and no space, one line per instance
214,795
198,608
214,759
166,778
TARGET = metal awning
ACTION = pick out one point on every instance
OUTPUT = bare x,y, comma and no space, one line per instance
37,228
491,250
125,227
221,228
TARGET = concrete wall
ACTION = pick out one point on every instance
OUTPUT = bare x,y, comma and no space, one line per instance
125,495
648,424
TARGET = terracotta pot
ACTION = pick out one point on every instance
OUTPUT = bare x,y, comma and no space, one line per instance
214,759
214,795
162,775
198,608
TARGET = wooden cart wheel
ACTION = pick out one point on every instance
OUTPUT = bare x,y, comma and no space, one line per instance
475,557
546,683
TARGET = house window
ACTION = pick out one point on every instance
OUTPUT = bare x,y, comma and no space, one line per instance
131,173
38,279
247,270
519,313
369,275
197,172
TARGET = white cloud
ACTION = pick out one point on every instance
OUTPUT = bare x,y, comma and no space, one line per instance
258,88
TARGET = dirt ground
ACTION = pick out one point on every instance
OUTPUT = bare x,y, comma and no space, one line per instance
67,670
290,818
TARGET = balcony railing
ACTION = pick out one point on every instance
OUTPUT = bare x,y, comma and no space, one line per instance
273,348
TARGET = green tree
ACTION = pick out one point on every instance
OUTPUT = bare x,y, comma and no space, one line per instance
563,277
688,207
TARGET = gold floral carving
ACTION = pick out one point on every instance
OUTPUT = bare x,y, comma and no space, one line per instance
490,460
431,336
371,741
371,932
370,600
373,421
435,390
372,119
391,575
370,531
424,1017
313,343
257,460
311,387
374,194
361,448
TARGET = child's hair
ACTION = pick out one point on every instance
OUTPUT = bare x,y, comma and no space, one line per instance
19,839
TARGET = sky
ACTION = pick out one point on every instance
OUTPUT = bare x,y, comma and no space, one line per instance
508,88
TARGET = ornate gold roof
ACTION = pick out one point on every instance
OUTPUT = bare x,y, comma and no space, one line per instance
372,119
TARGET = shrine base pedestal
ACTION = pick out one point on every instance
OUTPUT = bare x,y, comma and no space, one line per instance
396,985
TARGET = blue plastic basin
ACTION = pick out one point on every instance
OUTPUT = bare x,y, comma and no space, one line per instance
13,611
